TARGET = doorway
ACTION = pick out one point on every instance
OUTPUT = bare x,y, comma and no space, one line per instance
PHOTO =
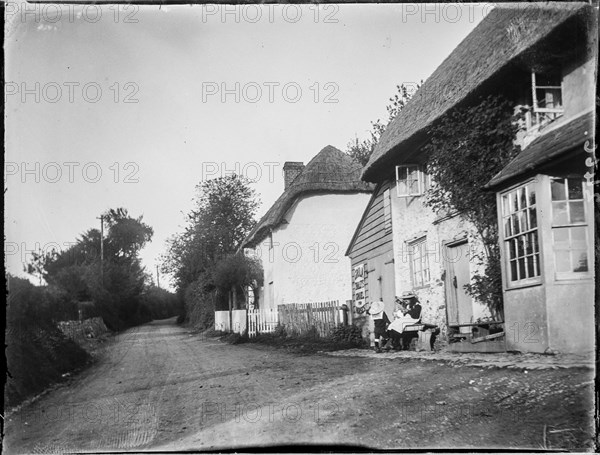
459,304
381,281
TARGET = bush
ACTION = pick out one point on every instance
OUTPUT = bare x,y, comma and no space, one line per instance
160,303
235,338
199,306
280,331
348,334
310,334
37,353
212,333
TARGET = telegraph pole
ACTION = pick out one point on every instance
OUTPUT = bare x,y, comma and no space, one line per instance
157,278
101,247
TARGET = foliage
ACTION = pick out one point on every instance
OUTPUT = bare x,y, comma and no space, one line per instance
37,353
238,271
160,303
348,333
280,331
200,305
223,215
361,151
126,235
466,148
235,338
116,284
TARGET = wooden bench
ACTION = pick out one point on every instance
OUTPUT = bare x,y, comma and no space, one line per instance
425,332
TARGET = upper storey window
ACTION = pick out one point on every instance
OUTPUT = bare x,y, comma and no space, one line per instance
547,99
411,180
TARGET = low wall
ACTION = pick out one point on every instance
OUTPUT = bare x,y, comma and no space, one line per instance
88,328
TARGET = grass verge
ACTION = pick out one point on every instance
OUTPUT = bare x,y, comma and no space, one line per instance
342,337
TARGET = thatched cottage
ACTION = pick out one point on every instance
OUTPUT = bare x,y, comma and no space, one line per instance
302,238
548,256
543,59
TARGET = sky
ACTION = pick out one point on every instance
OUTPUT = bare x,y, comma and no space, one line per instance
133,105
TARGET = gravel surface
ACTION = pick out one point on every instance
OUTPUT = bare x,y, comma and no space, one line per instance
161,387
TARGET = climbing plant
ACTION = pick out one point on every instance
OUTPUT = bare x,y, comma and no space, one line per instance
466,148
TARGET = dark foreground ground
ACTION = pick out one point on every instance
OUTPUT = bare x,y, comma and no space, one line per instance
159,387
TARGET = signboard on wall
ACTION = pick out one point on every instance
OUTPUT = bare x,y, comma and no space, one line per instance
358,287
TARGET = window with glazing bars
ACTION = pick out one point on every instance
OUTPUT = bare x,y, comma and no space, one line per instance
521,233
419,262
569,226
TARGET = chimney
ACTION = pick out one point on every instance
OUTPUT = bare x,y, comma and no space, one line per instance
291,169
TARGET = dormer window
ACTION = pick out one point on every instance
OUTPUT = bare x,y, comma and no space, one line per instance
547,99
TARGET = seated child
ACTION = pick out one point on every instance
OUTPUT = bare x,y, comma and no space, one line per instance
409,313
381,322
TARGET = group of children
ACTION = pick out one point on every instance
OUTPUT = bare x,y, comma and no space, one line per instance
408,311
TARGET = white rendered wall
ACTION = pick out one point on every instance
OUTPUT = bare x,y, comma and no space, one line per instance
307,261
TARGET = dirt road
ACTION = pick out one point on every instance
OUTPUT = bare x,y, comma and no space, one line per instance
158,387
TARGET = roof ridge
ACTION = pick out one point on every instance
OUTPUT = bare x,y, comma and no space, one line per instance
329,171
505,35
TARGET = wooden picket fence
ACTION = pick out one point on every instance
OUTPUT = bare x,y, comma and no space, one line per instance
300,318
262,321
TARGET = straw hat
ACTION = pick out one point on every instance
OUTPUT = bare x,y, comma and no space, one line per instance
408,295
376,307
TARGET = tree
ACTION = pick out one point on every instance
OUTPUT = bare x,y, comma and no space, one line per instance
126,235
361,151
223,215
466,148
116,289
239,272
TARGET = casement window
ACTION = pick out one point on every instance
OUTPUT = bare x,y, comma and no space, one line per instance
569,228
387,212
411,180
547,99
520,228
419,262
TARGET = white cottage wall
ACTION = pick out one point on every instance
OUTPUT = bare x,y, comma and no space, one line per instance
306,262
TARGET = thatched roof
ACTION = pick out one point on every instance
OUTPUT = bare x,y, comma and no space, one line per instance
507,35
546,148
330,171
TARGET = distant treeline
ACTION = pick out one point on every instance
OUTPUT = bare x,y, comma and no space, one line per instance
80,283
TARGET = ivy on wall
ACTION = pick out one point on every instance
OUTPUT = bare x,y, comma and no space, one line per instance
466,148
